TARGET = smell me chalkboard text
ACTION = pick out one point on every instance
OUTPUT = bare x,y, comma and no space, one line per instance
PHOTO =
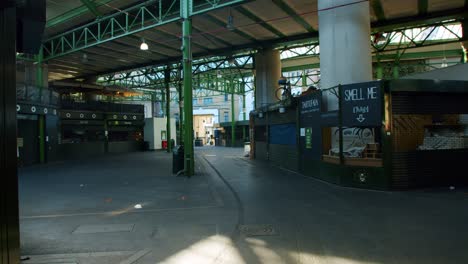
361,105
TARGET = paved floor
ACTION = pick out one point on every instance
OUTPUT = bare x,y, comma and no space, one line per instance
126,209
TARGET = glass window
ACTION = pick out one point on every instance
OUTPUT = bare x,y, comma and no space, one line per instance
207,100
225,97
195,101
226,116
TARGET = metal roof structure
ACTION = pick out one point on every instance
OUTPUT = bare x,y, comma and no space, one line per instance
86,38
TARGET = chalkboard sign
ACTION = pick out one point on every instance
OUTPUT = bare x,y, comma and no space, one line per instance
310,104
361,104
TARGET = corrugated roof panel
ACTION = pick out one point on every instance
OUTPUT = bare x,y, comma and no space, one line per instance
307,10
399,8
439,5
276,17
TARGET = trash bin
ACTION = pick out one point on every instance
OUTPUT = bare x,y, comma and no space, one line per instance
177,159
198,142
146,146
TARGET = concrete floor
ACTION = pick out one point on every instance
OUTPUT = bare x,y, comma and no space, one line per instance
84,212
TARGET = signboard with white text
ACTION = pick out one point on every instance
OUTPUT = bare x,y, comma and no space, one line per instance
361,104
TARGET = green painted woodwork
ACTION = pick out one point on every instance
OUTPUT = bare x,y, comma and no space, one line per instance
258,20
290,11
378,9
91,7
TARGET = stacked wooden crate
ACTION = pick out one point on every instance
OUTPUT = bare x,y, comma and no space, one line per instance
372,151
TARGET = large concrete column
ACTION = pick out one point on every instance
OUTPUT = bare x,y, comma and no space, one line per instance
345,50
267,74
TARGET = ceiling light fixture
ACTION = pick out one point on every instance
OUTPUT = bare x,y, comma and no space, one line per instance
143,45
230,21
84,58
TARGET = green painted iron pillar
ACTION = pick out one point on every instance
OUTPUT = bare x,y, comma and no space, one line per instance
186,7
153,99
181,114
41,119
244,114
379,67
396,71
106,135
304,79
167,79
233,118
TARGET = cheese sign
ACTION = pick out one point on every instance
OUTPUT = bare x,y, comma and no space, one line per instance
310,103
361,104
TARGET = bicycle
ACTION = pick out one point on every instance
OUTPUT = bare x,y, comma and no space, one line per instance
285,89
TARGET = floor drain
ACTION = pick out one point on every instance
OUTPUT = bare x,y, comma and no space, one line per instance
257,230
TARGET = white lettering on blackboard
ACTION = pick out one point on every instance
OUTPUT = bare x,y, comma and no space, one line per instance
360,109
310,103
358,94
372,93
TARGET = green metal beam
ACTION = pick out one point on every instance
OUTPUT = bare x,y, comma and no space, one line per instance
138,18
419,20
221,23
422,7
168,36
91,7
121,24
258,20
424,55
76,12
378,9
213,36
225,50
153,43
291,12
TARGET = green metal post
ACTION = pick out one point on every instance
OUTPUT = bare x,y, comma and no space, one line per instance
167,79
162,102
254,84
379,68
153,99
42,142
181,115
187,68
40,85
304,79
233,118
106,136
244,114
396,71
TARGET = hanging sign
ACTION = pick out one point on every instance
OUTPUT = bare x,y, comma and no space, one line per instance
361,104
